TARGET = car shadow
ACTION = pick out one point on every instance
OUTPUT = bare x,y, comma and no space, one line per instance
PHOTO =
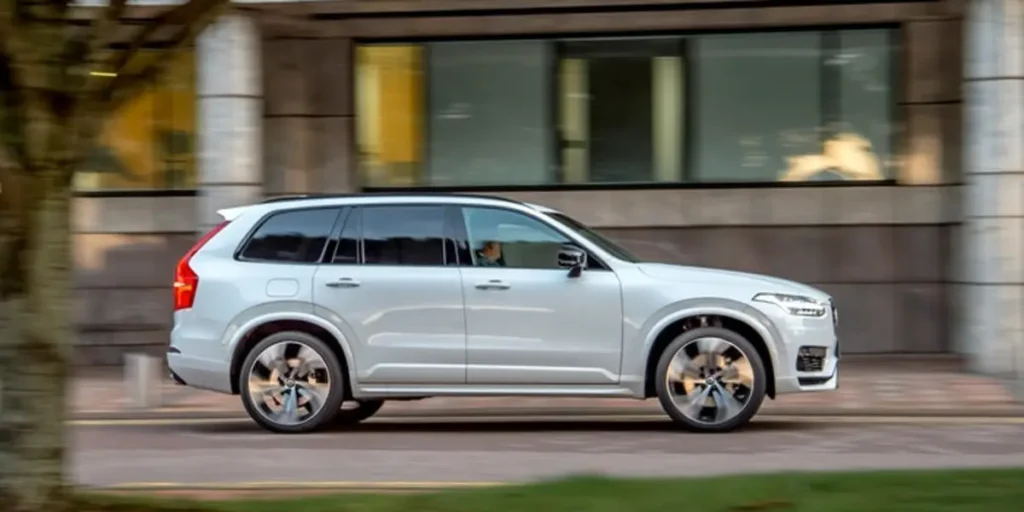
496,425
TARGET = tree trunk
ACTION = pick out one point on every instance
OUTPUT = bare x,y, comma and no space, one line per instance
35,348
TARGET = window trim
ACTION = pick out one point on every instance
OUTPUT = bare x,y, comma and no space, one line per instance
461,231
247,239
334,240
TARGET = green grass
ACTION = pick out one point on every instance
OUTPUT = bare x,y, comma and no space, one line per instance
896,491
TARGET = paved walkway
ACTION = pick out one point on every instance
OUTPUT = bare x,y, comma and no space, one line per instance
868,385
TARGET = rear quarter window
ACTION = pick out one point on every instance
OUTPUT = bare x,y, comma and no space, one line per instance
294,236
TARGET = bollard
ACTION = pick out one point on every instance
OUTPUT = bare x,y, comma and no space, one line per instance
142,380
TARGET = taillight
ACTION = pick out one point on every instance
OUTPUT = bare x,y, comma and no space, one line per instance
186,281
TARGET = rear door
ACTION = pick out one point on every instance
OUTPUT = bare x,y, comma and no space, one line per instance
389,288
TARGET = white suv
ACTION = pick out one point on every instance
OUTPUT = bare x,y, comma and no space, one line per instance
318,309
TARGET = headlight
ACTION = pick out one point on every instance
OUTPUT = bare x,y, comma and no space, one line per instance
796,305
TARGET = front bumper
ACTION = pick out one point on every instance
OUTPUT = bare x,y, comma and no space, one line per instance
807,351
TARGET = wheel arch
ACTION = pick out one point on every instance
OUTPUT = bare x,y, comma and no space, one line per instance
256,330
728,317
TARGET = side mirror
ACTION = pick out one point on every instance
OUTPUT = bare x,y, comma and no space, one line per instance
572,258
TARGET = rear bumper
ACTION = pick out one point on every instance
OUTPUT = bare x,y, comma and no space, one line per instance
199,373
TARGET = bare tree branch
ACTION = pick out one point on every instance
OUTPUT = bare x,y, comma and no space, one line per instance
102,31
125,86
181,14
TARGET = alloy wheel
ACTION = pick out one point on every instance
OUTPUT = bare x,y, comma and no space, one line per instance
289,383
710,380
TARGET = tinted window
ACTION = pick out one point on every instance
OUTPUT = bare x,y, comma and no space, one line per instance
403,235
348,241
295,236
502,238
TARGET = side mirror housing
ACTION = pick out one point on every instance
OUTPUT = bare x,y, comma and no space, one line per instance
572,258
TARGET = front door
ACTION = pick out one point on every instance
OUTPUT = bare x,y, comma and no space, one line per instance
527,320
389,289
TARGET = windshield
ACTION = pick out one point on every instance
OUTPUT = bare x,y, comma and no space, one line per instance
594,237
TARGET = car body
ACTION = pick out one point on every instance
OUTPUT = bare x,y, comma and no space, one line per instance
305,306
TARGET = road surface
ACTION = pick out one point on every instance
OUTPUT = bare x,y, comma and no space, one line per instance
460,451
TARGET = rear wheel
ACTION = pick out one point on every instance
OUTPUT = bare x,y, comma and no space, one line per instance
291,382
711,380
355,411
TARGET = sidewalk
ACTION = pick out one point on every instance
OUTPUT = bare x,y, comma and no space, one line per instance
875,385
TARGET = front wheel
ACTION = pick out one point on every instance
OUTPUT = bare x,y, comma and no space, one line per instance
711,380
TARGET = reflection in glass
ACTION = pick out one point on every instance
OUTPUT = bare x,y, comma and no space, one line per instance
489,120
750,107
389,108
620,116
149,142
403,235
757,102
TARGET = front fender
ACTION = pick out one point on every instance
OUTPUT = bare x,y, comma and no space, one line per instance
710,306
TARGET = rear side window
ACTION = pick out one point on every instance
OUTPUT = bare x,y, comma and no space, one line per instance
403,235
296,236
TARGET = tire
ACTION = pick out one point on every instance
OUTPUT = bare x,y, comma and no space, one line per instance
365,409
752,396
335,387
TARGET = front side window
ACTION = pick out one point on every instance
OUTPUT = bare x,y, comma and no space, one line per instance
403,235
503,238
296,236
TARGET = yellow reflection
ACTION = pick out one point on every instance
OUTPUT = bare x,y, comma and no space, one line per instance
149,143
389,108
847,154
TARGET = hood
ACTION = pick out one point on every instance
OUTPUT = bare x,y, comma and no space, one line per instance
680,273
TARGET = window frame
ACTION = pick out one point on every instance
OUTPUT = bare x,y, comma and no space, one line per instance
460,230
829,33
247,239
360,210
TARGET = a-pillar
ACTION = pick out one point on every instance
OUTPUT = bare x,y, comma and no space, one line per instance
230,121
992,274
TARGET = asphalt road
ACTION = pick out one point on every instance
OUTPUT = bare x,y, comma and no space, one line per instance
417,452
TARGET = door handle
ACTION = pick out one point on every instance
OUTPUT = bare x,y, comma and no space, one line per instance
345,282
493,284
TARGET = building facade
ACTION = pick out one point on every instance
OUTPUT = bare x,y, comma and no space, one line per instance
873,149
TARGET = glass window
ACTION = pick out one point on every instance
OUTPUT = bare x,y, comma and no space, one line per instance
863,131
594,237
620,110
148,143
758,105
389,108
488,116
403,235
806,105
296,236
502,238
348,241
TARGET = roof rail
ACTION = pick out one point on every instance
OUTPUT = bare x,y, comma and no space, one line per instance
299,197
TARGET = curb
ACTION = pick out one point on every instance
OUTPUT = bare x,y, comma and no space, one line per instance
509,412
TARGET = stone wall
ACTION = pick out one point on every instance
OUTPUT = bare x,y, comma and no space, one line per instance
125,250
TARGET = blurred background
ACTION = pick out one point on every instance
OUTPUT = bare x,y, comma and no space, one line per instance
870,149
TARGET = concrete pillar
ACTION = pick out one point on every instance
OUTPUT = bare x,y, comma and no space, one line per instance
230,99
992,268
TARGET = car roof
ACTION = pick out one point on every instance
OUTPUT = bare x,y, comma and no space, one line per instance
285,202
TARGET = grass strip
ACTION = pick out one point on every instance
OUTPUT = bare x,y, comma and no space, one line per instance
994,490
